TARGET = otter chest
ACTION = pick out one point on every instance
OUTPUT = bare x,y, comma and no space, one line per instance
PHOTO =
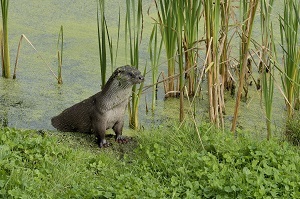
116,114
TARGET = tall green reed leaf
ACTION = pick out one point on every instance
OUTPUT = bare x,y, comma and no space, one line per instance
4,42
101,26
155,47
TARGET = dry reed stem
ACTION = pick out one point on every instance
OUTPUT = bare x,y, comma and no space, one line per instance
39,55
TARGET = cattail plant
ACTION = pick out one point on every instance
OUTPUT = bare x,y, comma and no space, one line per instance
289,27
268,53
247,14
133,31
60,43
167,20
4,40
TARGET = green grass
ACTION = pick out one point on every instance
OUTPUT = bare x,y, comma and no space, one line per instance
165,162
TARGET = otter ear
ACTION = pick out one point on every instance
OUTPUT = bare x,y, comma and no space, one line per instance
120,70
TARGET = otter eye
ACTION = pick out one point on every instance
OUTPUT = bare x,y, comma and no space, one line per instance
131,74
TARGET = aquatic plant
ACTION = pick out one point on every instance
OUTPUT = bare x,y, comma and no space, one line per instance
289,28
247,14
4,40
133,36
60,41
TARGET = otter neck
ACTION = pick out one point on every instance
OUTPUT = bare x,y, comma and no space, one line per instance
115,93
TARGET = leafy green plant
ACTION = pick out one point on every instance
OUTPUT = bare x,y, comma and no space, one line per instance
167,162
4,40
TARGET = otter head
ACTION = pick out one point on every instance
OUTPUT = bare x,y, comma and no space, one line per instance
128,75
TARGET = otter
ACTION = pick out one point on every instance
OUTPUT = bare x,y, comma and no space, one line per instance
104,110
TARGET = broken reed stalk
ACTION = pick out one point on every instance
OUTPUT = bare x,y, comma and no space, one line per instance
247,13
268,51
39,55
289,27
60,41
4,40
133,32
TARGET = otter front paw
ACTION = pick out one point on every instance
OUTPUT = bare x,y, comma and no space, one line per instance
104,143
122,139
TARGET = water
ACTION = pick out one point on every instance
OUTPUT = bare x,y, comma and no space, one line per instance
34,97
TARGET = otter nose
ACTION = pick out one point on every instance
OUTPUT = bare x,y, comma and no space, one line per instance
141,78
